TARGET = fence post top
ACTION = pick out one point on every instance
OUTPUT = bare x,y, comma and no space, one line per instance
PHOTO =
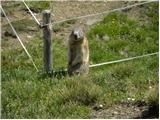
46,11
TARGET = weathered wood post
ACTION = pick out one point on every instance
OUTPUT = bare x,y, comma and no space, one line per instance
47,32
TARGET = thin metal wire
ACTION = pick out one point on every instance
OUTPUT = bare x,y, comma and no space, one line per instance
122,60
51,6
51,9
19,38
101,13
85,16
32,14
90,15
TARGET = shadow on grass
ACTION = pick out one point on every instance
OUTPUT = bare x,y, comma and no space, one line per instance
59,73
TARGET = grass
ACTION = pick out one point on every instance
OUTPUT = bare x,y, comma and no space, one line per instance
39,6
35,6
11,7
152,96
20,26
25,94
59,27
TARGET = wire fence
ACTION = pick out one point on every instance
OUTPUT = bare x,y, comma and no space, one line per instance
123,60
19,39
102,13
36,20
85,16
75,18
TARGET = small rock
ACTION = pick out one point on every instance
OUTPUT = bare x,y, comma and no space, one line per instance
101,106
128,98
98,107
28,36
91,21
133,99
11,34
124,52
105,38
115,112
32,28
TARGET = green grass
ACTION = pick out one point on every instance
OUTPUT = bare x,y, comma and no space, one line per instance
39,6
59,27
25,94
11,7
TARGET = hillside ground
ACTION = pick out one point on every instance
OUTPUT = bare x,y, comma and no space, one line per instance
124,90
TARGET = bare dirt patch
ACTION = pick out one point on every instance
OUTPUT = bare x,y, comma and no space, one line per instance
68,9
126,111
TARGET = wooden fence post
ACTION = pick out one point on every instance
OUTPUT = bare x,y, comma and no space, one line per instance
47,33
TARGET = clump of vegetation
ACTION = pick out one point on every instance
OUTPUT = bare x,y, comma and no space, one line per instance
152,99
81,90
153,96
127,38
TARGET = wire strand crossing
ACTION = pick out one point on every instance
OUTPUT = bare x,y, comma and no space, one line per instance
85,16
32,14
101,13
19,38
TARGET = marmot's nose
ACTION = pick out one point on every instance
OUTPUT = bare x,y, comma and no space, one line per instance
75,36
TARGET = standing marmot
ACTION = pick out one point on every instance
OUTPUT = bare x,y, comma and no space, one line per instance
78,55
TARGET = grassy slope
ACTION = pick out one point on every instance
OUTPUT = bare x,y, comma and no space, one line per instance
27,95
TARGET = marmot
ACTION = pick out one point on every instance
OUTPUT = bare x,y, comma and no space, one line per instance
78,54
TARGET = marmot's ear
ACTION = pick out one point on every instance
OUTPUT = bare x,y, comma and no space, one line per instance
72,32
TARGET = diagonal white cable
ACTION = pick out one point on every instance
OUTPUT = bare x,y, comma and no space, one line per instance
105,12
90,15
32,13
18,38
122,60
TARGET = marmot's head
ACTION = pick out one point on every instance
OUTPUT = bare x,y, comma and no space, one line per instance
77,34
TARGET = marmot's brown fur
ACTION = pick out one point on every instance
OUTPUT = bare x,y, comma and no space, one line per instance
78,54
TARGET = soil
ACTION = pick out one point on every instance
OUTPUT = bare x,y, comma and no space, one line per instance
64,10
126,111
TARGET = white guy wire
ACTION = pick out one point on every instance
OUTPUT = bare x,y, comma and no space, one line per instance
32,14
90,15
18,38
105,12
122,60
